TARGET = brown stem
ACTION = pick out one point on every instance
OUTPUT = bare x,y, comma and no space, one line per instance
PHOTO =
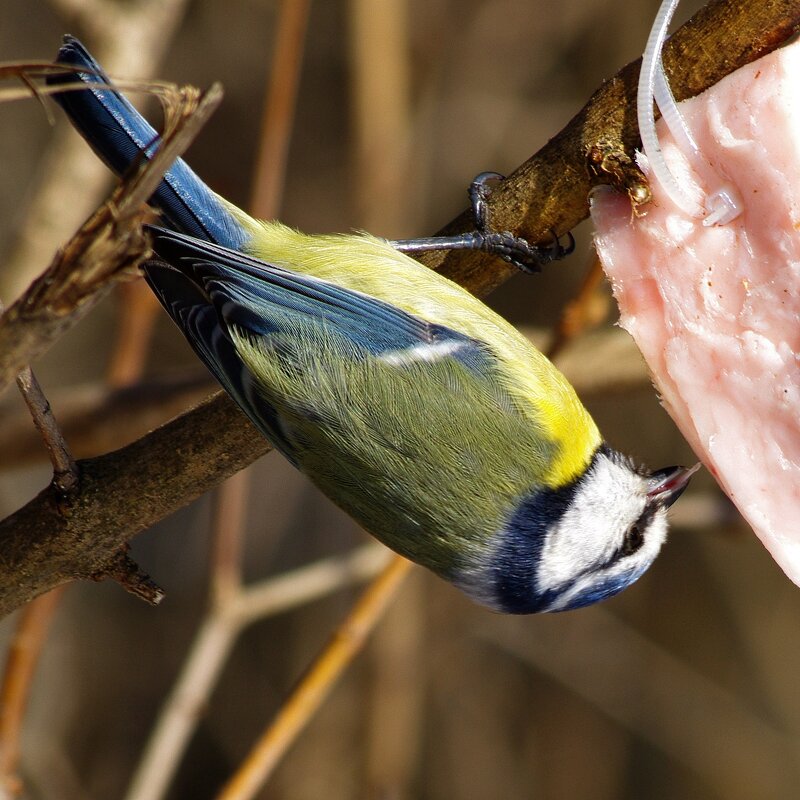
279,108
65,470
346,642
23,656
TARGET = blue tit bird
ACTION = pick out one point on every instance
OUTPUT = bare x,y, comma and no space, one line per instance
419,411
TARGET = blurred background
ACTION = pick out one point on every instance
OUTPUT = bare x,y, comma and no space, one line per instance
683,686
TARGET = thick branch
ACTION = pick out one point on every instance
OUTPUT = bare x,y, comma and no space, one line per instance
124,492
53,539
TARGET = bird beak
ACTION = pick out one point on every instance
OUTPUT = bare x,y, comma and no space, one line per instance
667,485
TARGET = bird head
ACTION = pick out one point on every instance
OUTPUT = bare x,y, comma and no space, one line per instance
572,546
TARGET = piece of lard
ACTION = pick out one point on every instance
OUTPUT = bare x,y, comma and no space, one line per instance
716,310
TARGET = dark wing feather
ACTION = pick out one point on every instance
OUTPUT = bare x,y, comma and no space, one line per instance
262,299
121,136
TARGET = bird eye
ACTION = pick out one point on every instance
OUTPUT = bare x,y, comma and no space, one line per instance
634,539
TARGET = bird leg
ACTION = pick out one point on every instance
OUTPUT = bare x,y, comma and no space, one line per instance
503,244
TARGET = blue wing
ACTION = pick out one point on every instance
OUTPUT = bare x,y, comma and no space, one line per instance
121,136
209,290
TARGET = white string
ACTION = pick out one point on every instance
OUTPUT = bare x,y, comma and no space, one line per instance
665,100
719,206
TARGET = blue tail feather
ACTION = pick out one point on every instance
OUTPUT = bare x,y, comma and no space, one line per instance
121,136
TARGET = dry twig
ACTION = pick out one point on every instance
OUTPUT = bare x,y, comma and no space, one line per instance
65,470
129,39
346,642
110,244
23,656
214,641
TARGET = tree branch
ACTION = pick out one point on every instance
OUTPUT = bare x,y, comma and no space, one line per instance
54,539
109,244
50,541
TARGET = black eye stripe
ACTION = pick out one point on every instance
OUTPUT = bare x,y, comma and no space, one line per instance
634,538
647,515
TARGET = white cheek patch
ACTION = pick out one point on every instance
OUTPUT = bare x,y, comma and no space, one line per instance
624,570
433,351
609,499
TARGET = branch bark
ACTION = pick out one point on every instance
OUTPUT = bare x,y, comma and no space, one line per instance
51,540
108,245
55,538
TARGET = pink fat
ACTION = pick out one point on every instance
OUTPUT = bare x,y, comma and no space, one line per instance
716,311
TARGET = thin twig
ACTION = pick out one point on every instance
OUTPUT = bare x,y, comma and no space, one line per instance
65,470
23,656
585,311
44,544
347,641
279,109
213,643
185,117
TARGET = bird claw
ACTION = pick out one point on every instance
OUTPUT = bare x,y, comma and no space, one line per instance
515,250
522,254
